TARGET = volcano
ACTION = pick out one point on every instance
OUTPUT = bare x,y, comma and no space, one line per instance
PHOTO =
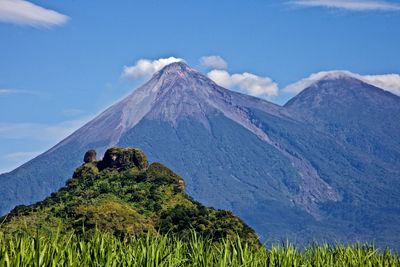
326,166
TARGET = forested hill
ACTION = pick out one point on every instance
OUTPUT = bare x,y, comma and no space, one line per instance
123,194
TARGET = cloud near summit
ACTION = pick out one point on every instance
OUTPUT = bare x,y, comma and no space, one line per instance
252,84
147,67
387,82
247,83
214,62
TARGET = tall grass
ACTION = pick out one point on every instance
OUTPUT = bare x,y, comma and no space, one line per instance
101,249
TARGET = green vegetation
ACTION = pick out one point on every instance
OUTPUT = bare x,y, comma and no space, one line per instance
121,211
104,249
123,195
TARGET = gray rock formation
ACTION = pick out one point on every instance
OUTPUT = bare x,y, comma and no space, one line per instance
90,156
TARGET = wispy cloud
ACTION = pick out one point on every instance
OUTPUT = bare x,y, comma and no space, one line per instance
352,5
246,82
9,91
22,155
387,82
4,92
42,136
14,159
22,12
214,62
147,67
39,131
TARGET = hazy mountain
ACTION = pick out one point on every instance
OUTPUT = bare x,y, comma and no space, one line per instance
365,120
353,111
282,169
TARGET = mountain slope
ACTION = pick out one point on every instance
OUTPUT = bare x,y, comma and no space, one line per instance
176,94
123,195
286,176
365,120
355,112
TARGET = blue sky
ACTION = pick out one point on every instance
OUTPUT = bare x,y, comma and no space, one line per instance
62,62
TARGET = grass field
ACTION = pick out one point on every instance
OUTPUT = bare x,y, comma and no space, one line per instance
101,249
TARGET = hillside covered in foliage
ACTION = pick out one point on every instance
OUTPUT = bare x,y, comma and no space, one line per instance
123,195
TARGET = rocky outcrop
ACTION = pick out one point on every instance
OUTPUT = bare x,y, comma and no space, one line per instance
117,157
90,156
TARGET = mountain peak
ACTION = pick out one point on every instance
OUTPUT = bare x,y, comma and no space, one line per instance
323,79
179,65
335,89
177,69
337,74
175,92
339,80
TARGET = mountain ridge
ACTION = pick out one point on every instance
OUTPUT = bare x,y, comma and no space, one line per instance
244,154
374,80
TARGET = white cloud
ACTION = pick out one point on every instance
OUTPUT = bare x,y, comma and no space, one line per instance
353,5
214,62
26,13
387,82
147,67
247,83
306,82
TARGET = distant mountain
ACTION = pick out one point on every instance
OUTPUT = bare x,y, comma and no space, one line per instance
282,169
123,195
354,112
